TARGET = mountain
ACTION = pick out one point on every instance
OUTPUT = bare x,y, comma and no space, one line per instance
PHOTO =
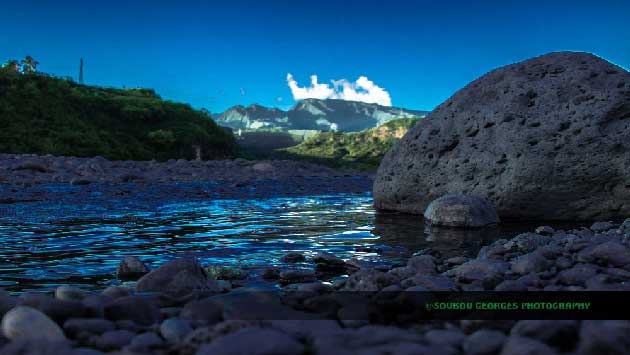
314,114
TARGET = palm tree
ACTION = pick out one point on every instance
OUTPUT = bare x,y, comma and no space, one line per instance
12,65
29,65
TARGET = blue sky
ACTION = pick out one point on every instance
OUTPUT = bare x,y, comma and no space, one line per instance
218,54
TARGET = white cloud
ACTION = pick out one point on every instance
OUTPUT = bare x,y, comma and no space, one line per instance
363,90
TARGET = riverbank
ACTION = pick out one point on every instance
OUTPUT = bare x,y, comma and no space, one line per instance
179,308
33,169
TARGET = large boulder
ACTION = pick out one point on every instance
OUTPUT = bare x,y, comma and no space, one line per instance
546,138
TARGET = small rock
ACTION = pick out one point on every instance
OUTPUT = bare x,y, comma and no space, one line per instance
36,347
561,334
611,252
461,211
422,264
220,272
202,312
434,283
484,270
484,342
85,351
271,273
180,279
452,337
601,226
116,291
511,285
145,342
131,268
175,330
403,272
26,323
328,263
297,276
74,326
114,339
530,263
328,259
577,275
94,305
456,260
293,257
266,341
518,345
68,293
58,310
604,337
369,280
136,308
545,230
526,242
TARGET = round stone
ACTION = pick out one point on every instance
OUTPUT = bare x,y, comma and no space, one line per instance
461,211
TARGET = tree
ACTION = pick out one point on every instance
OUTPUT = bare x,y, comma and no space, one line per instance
12,65
29,65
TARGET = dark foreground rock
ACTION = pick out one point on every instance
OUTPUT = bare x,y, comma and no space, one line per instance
543,139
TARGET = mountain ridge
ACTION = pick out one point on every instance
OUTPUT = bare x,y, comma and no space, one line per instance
314,114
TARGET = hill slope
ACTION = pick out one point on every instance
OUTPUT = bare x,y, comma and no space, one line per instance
46,115
314,114
360,150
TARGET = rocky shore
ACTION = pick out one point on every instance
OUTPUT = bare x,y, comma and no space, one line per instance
32,169
184,308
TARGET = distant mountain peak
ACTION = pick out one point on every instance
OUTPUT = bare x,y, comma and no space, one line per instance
314,114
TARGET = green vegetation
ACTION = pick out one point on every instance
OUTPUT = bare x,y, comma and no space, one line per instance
47,115
359,151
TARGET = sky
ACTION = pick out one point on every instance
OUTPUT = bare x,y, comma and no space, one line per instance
211,54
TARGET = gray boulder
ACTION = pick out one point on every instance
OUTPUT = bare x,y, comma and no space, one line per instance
544,139
461,211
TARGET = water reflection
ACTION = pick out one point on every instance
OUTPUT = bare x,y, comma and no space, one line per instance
411,234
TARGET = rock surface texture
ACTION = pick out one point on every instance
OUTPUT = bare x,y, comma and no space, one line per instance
546,138
461,211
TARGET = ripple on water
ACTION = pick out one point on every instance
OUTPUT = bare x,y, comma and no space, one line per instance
44,244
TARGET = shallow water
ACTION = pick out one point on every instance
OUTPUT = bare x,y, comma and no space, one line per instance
80,240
